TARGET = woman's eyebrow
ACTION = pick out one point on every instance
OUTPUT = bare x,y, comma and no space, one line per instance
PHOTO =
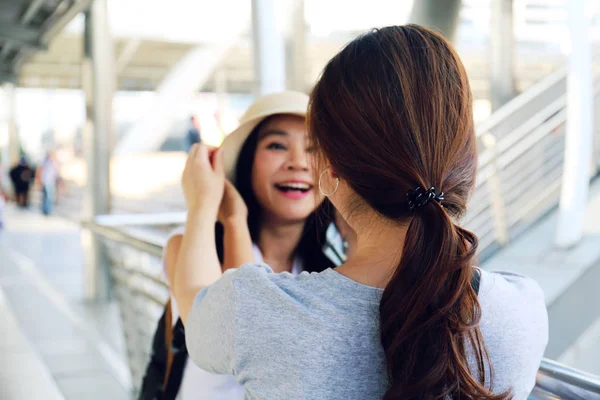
272,132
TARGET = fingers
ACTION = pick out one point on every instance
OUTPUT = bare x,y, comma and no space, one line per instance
201,154
218,162
198,154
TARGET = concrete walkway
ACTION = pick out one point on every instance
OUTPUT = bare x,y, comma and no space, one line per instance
23,374
78,345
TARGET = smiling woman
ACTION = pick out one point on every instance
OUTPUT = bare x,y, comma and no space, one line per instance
273,198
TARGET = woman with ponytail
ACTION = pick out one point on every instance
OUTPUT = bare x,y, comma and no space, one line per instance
408,316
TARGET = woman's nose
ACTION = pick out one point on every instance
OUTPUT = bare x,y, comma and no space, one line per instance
298,161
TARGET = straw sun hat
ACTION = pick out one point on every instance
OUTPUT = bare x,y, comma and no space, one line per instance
288,102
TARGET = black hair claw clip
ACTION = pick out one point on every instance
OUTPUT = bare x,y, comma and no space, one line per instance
419,197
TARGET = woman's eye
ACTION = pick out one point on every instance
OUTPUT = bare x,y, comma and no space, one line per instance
276,146
310,149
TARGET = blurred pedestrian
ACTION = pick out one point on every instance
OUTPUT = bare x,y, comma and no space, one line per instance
21,176
193,134
47,179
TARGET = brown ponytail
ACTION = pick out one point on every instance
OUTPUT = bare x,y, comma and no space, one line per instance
392,112
428,310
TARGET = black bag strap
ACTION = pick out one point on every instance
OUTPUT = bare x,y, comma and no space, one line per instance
179,356
152,382
157,384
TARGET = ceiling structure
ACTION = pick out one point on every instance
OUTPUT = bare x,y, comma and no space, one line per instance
28,26
34,54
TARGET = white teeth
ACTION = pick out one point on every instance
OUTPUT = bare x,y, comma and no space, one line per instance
299,186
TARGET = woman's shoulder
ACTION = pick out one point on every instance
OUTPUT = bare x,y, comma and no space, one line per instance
257,280
514,325
509,287
514,318
512,296
259,273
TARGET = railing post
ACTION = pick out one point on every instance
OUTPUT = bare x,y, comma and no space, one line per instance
495,187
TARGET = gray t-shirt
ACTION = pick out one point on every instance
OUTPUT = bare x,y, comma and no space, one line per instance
316,335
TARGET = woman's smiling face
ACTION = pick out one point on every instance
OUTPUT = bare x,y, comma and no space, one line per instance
281,175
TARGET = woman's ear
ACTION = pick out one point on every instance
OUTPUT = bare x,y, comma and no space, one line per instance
331,172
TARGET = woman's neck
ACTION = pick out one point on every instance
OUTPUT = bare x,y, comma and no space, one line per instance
277,242
377,252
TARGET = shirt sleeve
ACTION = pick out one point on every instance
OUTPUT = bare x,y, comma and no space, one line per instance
515,320
211,326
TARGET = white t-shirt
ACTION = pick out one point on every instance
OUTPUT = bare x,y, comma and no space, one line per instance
198,384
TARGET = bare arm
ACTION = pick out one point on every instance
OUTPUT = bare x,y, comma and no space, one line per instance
171,254
237,243
197,265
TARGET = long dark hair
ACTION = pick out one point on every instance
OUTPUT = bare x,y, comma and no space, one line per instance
391,112
313,239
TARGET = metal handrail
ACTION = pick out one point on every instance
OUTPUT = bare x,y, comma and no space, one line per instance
521,154
571,376
558,381
123,237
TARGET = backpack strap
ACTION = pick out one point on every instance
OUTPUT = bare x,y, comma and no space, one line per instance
476,280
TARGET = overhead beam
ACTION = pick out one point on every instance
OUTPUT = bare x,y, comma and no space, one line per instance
21,36
63,20
8,77
127,55
34,6
25,18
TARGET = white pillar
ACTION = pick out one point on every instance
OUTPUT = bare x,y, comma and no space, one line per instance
99,82
440,15
578,145
502,87
269,48
296,47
